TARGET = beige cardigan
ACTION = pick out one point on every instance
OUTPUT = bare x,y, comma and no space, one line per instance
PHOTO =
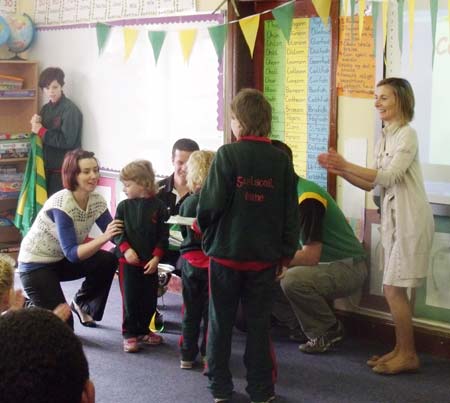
401,183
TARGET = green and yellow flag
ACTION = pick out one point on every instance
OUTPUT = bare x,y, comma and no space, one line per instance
33,193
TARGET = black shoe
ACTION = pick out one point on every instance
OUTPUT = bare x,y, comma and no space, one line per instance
323,343
85,318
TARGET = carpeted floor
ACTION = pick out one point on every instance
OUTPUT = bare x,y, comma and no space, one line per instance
153,375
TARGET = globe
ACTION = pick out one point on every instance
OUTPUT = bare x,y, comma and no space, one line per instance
5,32
22,33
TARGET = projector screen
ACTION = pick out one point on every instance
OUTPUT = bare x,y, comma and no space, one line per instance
431,84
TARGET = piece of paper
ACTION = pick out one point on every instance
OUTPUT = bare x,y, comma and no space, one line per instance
177,219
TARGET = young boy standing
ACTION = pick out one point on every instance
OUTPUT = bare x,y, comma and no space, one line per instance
248,215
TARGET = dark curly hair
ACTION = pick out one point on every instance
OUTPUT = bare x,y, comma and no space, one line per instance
42,360
49,75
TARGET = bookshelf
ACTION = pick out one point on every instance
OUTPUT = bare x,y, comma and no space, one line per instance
17,106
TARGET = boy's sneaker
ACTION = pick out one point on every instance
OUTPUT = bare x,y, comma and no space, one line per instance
323,343
221,400
186,364
151,339
130,345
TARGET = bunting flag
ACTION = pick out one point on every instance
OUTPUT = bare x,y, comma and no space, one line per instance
218,36
187,40
249,27
283,16
323,9
400,13
433,11
411,8
362,9
33,192
384,19
103,31
375,12
352,13
156,39
129,36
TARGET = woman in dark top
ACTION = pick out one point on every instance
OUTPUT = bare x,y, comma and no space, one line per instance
58,124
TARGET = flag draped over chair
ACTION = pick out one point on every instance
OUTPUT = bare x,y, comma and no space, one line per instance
33,193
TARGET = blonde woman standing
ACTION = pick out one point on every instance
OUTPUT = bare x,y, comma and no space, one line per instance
407,224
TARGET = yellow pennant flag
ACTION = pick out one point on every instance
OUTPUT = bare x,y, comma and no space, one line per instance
129,36
411,8
323,9
187,40
249,27
362,6
384,15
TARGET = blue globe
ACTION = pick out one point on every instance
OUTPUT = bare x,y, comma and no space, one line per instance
22,33
5,32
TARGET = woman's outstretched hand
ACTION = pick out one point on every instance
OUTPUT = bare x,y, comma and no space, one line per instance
332,161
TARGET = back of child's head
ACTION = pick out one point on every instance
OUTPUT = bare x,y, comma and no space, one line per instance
141,172
253,112
6,278
197,168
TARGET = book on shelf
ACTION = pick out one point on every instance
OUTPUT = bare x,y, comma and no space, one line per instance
9,247
10,82
14,136
17,93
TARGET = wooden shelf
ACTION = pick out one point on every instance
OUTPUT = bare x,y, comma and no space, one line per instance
12,160
15,115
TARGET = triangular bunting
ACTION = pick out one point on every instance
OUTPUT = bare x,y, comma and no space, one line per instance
156,39
400,9
249,27
187,39
433,11
411,10
129,35
384,19
352,13
218,34
102,35
283,16
362,7
375,12
323,9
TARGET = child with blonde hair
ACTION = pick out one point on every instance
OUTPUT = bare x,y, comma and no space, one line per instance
141,245
11,299
194,271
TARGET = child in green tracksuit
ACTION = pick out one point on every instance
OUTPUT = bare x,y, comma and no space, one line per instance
194,269
248,215
141,245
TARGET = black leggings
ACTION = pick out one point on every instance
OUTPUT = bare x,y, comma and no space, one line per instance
44,289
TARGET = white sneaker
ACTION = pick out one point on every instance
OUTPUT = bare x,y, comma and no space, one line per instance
186,364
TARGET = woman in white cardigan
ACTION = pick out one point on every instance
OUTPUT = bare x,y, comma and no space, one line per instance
407,224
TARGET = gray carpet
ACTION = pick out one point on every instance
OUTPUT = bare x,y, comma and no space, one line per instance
153,375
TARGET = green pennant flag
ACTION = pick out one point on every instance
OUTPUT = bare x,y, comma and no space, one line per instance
102,35
156,39
33,192
218,34
433,11
375,12
283,16
352,13
400,8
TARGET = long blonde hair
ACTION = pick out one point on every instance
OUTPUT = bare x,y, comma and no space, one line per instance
197,168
